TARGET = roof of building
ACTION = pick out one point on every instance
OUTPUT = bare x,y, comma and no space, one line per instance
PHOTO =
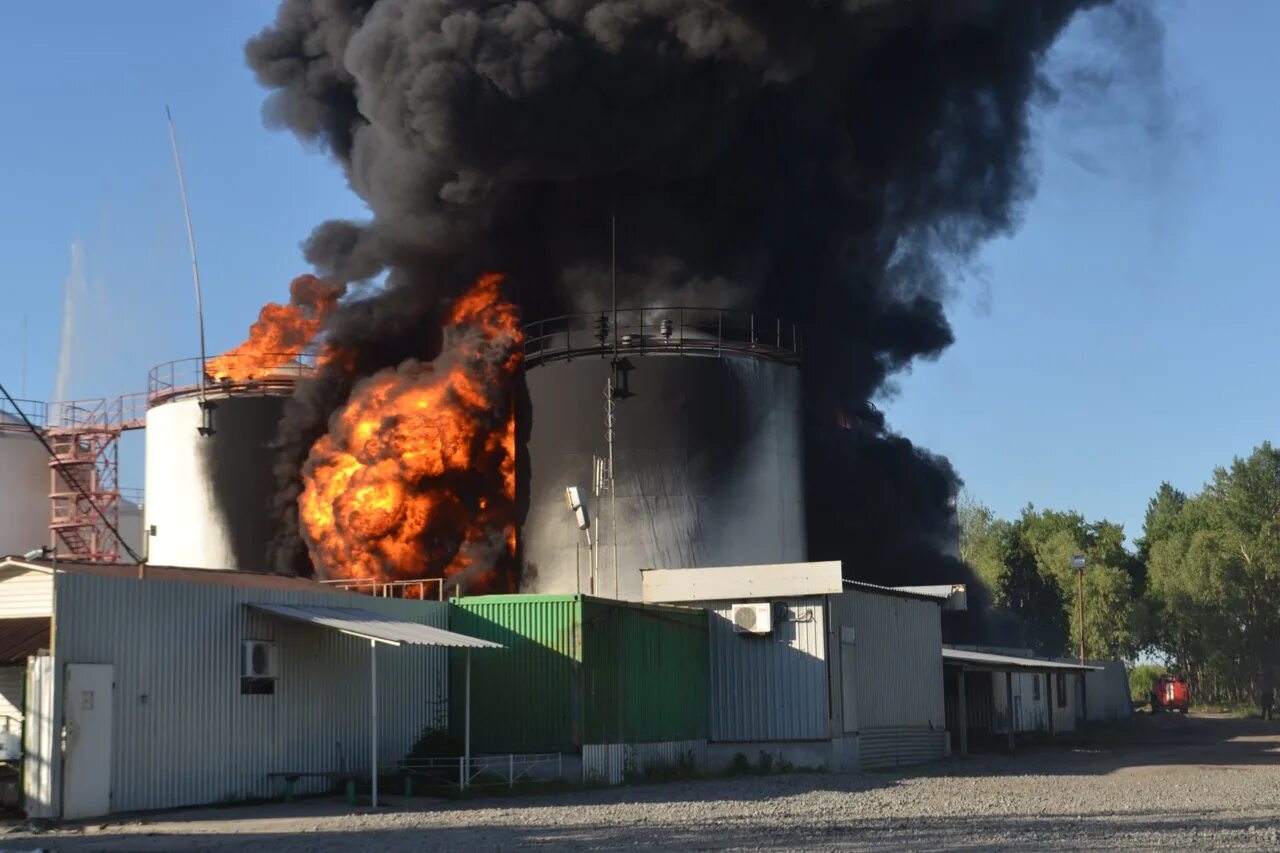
21,638
1006,663
918,593
739,583
216,577
359,622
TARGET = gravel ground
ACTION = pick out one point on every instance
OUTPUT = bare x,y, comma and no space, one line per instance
1199,783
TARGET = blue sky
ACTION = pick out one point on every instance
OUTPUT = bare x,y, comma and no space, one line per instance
1123,336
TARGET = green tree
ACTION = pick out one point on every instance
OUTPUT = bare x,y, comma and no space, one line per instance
1213,564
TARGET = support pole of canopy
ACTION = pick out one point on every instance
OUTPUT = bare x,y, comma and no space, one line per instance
963,713
1008,692
373,717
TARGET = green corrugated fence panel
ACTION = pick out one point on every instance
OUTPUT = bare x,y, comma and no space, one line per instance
579,670
526,697
645,673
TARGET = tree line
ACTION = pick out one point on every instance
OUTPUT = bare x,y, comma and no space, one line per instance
1200,589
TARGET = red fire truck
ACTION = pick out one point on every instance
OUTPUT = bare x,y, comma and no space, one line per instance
1170,693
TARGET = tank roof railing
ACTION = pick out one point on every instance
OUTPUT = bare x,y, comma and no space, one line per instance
104,414
713,332
181,378
36,411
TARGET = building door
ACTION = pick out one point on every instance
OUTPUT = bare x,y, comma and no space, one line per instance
86,760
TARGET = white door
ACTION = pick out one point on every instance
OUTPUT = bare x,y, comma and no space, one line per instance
86,760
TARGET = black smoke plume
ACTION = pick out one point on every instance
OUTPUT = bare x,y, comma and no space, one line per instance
819,161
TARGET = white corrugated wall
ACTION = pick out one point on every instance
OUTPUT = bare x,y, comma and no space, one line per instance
25,592
896,668
771,687
184,734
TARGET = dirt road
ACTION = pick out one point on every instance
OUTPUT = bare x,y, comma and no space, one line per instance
1206,782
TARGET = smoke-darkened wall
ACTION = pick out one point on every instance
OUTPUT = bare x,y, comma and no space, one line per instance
820,161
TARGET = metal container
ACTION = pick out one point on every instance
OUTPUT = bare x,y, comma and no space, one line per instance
706,456
24,489
208,495
579,671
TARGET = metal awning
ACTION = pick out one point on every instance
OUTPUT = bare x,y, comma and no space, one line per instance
377,628
1008,663
368,625
23,637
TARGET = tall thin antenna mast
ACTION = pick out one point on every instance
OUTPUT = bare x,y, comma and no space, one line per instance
25,318
191,243
611,386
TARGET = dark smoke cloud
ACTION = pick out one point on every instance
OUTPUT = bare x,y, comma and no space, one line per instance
820,161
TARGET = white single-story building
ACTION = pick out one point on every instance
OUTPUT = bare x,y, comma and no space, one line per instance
153,687
814,670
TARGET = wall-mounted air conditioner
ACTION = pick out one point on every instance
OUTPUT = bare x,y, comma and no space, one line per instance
258,659
752,618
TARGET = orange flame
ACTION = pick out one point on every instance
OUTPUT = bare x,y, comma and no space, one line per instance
416,476
280,332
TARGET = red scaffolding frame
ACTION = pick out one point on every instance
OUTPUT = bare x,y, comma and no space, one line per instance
84,474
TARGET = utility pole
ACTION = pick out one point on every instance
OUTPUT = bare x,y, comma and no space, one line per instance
1077,563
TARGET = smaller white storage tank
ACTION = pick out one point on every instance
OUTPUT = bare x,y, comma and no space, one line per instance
209,496
209,491
24,488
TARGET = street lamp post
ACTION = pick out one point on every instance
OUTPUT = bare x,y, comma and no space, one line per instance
1077,563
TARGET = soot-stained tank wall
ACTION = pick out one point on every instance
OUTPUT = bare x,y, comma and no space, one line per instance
208,497
708,465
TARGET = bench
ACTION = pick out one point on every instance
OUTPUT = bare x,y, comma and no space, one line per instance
290,779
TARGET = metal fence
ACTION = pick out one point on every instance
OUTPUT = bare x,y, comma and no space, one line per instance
661,331
488,771
380,588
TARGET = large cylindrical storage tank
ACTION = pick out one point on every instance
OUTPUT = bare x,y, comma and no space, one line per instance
208,496
707,466
24,489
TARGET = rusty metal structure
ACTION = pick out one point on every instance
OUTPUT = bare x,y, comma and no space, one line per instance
84,470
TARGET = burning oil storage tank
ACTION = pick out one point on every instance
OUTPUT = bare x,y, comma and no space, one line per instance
24,484
707,465
209,465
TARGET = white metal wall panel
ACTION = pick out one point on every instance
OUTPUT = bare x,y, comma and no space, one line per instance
25,592
11,681
1107,691
891,747
611,762
897,643
185,735
40,769
772,687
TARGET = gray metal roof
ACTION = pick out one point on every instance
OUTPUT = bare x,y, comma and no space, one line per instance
374,626
1004,663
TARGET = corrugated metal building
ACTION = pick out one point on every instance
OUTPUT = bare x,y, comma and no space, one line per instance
180,725
848,675
582,674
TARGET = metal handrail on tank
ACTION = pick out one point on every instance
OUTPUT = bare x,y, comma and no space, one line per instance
661,331
247,374
11,419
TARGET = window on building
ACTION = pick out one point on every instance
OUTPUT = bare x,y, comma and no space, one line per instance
1035,687
1061,689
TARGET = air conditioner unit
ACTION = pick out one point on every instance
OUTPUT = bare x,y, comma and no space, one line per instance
752,618
258,659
